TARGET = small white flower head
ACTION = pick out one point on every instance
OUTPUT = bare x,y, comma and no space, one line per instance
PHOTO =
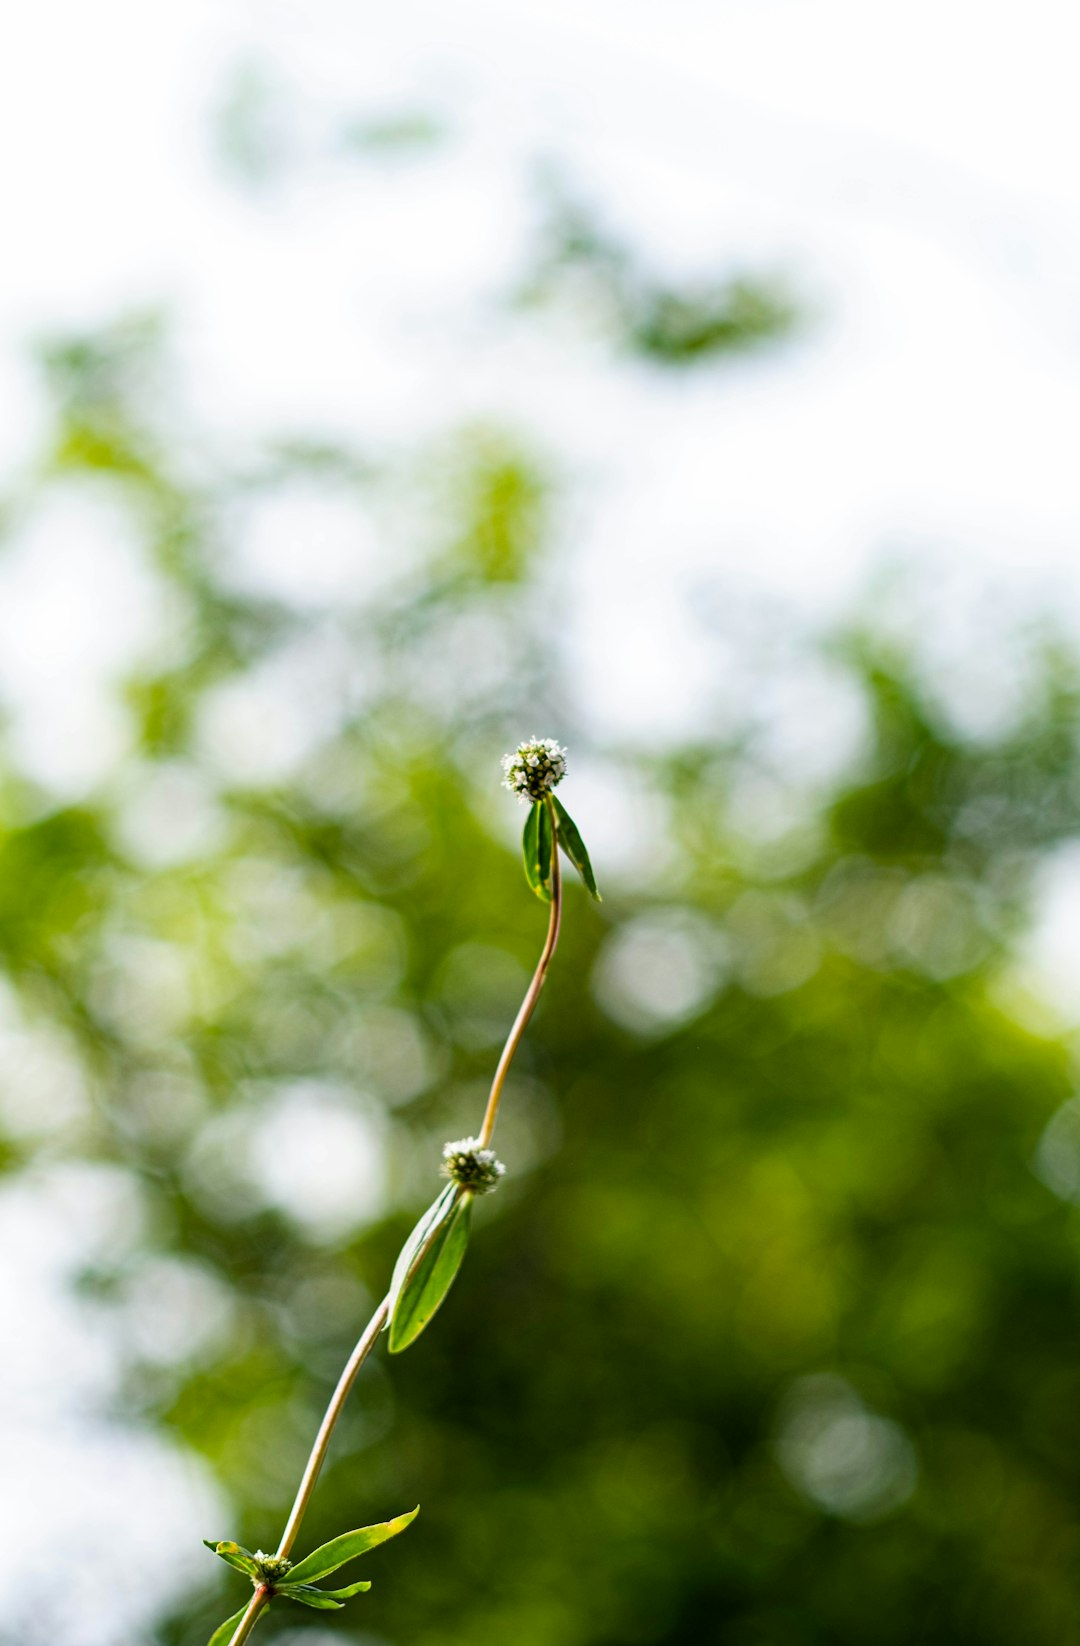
272,1568
534,769
473,1167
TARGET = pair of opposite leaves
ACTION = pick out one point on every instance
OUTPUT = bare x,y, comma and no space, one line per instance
298,1582
548,821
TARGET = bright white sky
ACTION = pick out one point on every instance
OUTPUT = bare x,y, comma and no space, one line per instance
913,166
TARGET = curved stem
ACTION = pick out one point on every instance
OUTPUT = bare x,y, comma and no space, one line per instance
533,991
326,1428
375,1325
251,1616
315,1462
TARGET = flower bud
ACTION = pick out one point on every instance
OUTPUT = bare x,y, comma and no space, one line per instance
272,1568
474,1168
535,768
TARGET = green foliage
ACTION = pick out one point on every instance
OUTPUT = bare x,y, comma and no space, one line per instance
225,1631
283,1580
52,874
536,849
428,1265
574,847
251,129
680,327
235,1555
667,325
349,1546
498,493
407,135
771,1336
328,1596
318,1599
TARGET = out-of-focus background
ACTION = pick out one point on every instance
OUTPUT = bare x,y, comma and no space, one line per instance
697,384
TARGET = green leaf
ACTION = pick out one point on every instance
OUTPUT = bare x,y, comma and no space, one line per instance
325,1600
410,1253
574,847
346,1547
236,1555
429,1260
223,1634
536,849
428,1279
309,1596
546,851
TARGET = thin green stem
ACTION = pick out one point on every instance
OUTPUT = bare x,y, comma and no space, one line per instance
251,1616
315,1462
532,994
329,1422
375,1325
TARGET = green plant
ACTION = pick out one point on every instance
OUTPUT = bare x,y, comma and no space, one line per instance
433,1253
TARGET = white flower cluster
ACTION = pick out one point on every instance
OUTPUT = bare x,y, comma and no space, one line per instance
473,1167
535,768
272,1568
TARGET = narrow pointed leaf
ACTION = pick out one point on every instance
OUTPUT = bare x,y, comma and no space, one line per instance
428,1263
326,1597
431,1276
346,1547
416,1244
545,851
236,1555
574,847
532,846
223,1634
309,1596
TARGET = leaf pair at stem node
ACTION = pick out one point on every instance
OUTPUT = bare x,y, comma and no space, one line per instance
547,825
279,1577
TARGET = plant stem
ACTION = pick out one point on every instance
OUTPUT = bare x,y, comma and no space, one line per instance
375,1325
315,1462
533,992
251,1616
326,1428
